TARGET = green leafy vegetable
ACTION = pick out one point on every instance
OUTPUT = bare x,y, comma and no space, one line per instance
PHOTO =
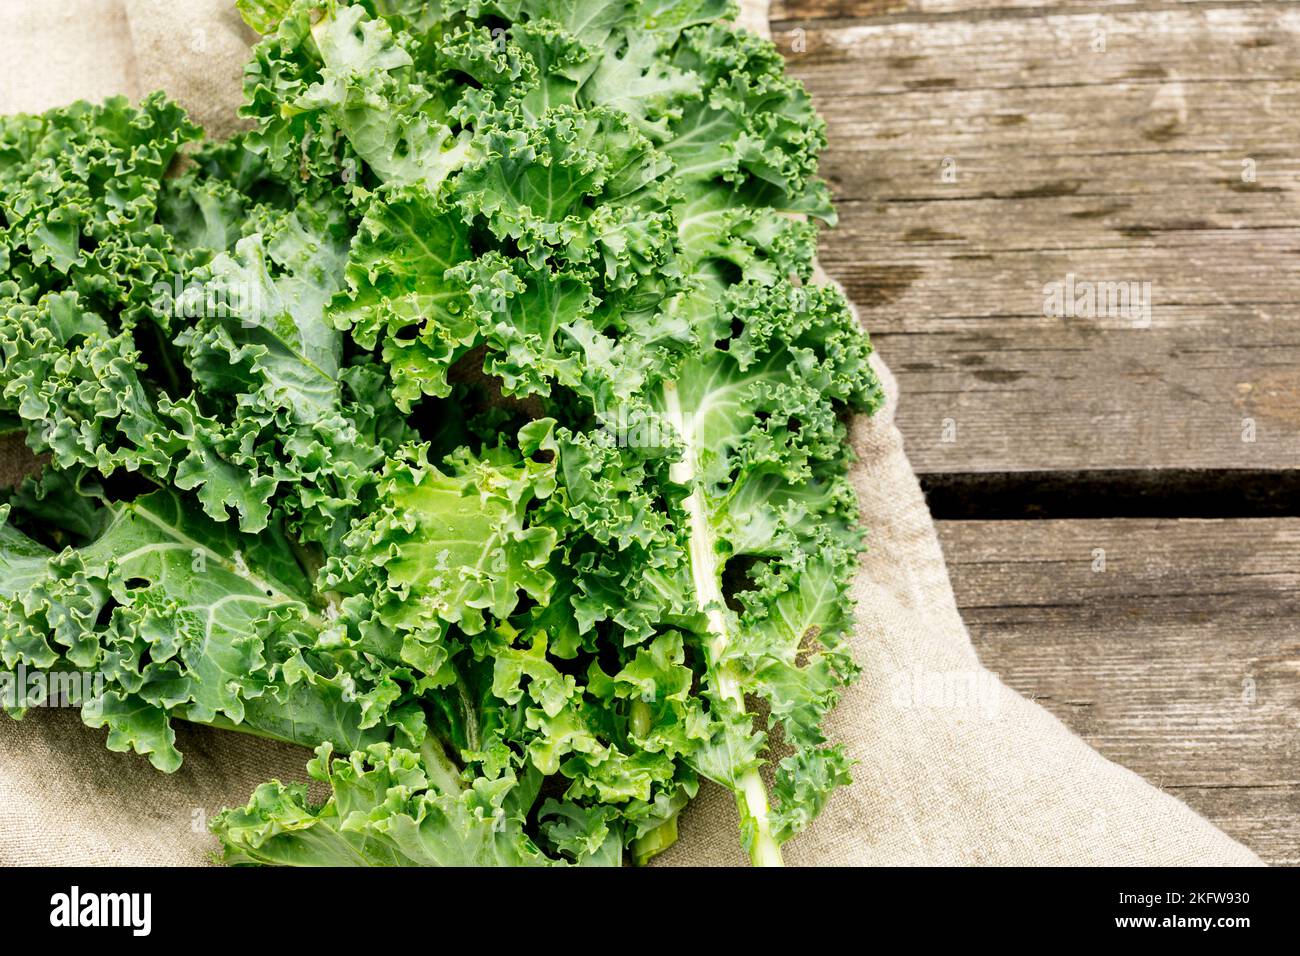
471,419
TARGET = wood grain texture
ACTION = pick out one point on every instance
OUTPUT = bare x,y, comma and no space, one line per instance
1170,157
802,10
1180,660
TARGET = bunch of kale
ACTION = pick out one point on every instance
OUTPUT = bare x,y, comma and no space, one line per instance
470,419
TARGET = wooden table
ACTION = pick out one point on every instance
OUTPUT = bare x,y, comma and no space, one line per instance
1118,487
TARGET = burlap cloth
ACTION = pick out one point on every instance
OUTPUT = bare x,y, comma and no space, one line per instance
953,767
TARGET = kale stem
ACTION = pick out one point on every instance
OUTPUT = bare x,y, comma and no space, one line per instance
472,734
309,559
443,774
751,795
655,842
639,720
221,722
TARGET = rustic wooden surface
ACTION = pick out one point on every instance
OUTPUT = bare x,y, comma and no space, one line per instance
1122,165
1178,657
1182,659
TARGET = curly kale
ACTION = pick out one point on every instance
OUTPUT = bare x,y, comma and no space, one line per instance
471,419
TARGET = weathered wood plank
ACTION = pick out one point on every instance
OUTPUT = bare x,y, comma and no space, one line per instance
1179,657
978,161
783,10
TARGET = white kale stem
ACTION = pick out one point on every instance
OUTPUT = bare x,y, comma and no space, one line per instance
751,795
443,774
